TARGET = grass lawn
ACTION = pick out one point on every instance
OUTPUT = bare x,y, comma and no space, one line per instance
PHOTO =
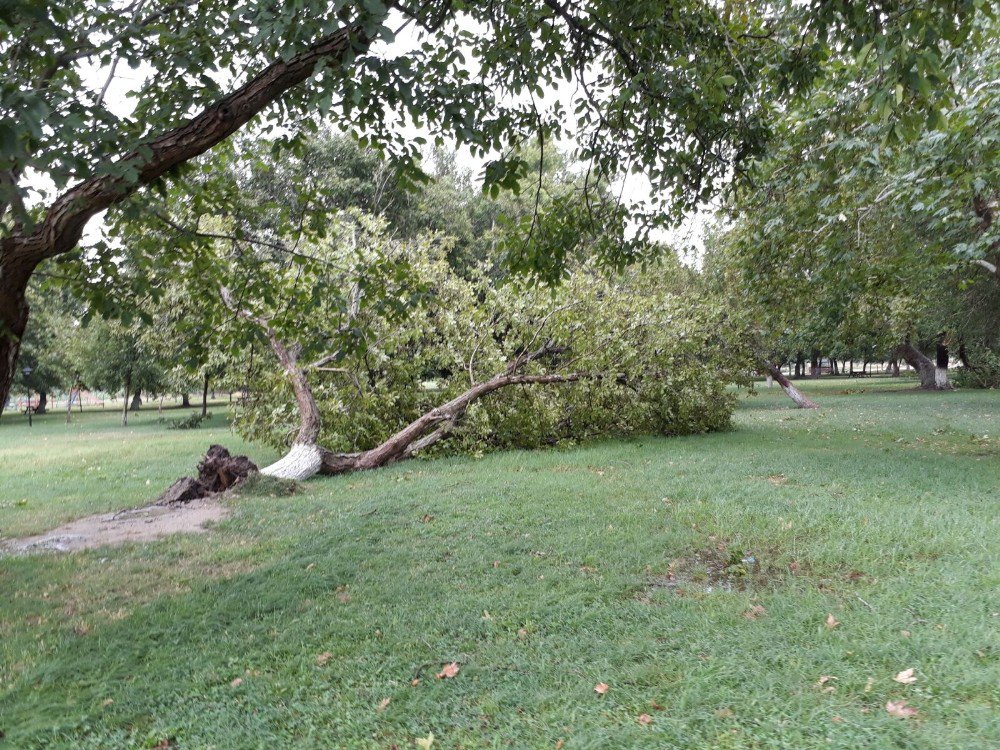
320,620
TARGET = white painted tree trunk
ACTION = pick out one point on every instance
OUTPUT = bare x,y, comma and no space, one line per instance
301,462
941,379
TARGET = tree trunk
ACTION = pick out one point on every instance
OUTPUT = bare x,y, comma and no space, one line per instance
204,399
13,319
800,399
43,400
963,357
919,362
69,406
128,388
185,401
814,364
136,400
941,382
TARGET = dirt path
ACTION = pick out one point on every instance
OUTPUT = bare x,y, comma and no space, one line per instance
123,527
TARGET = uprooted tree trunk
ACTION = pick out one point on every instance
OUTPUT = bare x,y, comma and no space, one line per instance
218,471
800,399
925,367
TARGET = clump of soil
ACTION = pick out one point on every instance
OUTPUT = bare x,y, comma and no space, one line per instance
218,471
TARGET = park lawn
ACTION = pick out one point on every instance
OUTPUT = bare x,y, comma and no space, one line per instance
52,472
320,620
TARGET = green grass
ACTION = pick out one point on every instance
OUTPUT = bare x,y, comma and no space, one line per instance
536,572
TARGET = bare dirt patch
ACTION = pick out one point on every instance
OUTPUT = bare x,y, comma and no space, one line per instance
144,524
713,570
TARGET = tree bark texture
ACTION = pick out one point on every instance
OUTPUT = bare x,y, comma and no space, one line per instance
204,398
43,400
136,400
941,381
13,319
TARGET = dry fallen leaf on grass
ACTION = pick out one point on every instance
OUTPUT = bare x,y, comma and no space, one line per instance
425,742
869,683
323,658
900,709
755,612
645,719
237,682
724,713
906,677
831,621
449,670
601,688
382,704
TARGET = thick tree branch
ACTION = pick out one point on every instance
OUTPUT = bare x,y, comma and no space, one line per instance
65,220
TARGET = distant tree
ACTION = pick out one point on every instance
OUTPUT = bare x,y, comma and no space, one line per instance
45,343
112,356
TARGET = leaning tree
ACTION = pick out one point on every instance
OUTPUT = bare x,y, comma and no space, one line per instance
679,90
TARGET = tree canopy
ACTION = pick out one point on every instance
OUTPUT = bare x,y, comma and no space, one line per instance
680,91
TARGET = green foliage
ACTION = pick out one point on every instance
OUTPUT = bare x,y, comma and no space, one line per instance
985,370
680,91
46,343
849,243
110,355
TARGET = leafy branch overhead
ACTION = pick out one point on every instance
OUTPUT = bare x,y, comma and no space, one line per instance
679,91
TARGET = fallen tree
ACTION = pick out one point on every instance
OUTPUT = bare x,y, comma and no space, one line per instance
482,365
